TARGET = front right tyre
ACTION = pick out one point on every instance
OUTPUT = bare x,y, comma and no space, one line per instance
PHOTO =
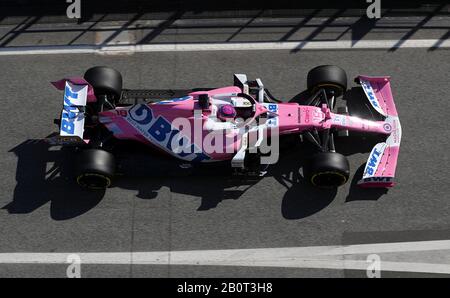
327,170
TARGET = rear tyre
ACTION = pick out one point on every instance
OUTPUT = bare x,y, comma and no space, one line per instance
105,81
330,77
95,169
327,170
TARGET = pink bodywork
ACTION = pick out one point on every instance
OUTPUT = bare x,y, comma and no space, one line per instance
77,81
292,118
383,175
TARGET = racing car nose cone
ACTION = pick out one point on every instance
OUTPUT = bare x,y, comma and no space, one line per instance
227,111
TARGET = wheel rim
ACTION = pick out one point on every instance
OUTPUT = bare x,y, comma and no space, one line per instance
328,179
93,181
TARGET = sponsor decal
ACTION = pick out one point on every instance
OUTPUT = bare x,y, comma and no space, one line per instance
69,112
72,119
373,161
378,179
394,138
339,119
159,131
368,90
307,116
272,120
370,94
318,115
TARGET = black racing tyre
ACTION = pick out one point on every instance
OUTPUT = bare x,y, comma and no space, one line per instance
327,170
105,81
95,169
330,77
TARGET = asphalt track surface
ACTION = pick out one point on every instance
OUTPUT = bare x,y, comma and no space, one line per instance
41,212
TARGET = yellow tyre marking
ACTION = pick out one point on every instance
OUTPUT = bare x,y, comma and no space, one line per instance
108,181
344,179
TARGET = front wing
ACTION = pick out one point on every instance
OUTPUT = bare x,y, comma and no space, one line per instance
382,162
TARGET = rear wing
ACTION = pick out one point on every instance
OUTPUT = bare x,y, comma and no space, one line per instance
76,94
382,162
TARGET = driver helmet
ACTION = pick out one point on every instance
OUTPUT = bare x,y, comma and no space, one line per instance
226,112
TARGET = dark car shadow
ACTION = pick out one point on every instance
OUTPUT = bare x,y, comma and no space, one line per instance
43,176
357,193
301,199
211,189
214,185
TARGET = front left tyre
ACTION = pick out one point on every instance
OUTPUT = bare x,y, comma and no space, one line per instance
105,81
95,169
332,78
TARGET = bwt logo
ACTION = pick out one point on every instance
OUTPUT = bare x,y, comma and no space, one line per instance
161,132
69,113
370,93
273,120
373,161
378,179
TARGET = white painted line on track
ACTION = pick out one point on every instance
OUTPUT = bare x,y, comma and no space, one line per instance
325,257
187,47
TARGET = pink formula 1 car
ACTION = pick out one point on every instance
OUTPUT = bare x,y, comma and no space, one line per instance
238,125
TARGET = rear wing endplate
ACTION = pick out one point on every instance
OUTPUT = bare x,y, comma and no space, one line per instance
72,117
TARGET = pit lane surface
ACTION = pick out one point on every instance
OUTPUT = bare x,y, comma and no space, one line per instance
41,212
